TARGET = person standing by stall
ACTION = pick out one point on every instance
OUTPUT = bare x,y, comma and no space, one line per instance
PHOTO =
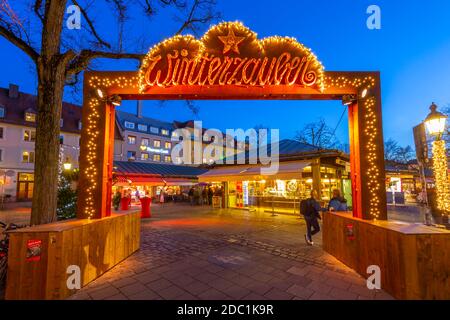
210,195
191,195
337,202
161,197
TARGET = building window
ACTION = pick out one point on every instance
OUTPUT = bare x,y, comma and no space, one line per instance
1,155
164,132
29,135
2,112
28,157
129,125
157,143
157,157
30,116
154,130
131,155
144,156
174,134
61,123
145,142
142,127
2,132
131,140
167,159
167,145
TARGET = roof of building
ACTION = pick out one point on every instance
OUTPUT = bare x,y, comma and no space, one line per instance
122,116
16,106
162,169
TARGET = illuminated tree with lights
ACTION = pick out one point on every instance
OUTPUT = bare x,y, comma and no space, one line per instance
60,55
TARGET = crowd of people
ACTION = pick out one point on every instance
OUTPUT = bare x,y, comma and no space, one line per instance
203,195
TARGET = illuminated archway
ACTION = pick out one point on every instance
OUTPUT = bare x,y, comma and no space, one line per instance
229,62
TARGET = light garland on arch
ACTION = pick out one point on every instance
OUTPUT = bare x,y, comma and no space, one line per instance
244,60
371,133
441,176
92,132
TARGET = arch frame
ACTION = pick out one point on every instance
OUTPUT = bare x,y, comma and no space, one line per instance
365,130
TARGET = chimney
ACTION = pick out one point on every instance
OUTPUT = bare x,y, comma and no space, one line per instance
13,91
139,109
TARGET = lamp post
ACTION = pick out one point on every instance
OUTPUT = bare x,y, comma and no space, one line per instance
435,124
67,165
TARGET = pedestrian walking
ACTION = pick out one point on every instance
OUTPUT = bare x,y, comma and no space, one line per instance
310,209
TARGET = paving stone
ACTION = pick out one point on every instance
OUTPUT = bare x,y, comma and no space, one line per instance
104,293
300,291
123,282
343,294
144,295
213,294
171,292
276,294
159,284
133,288
197,288
236,292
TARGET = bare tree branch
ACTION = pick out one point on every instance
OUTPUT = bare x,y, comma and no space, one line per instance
82,61
91,26
20,43
194,18
37,10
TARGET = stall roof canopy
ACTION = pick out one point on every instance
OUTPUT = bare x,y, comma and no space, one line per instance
157,169
286,170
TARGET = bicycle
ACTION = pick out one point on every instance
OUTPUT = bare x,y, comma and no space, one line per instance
4,245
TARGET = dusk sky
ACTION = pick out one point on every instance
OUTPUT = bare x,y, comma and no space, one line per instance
412,51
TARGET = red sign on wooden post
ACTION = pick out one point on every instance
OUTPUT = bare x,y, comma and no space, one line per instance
34,248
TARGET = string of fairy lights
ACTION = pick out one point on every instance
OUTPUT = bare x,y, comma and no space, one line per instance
371,133
197,50
441,176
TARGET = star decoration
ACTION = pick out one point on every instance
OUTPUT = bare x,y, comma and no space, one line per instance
231,42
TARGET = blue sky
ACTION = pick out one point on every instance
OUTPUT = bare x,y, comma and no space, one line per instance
412,51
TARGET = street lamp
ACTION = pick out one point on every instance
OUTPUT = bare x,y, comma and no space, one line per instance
67,165
435,124
143,147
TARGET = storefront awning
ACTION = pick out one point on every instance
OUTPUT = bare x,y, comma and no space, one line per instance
179,182
286,170
139,180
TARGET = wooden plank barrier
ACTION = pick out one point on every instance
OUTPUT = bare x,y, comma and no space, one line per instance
414,259
39,256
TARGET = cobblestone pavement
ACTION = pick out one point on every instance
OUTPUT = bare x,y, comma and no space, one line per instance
197,253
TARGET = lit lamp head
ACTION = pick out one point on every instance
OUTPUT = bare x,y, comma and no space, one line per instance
115,100
348,99
143,147
67,165
435,122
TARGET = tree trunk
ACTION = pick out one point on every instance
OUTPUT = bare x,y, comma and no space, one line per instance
51,70
50,92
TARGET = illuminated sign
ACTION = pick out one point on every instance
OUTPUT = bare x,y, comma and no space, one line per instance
155,150
230,54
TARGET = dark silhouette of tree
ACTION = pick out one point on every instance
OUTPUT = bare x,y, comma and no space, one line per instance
393,152
318,134
60,55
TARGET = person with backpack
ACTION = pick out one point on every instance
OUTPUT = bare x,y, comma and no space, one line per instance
310,209
337,202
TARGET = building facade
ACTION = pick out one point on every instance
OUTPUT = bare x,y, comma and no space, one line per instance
17,136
